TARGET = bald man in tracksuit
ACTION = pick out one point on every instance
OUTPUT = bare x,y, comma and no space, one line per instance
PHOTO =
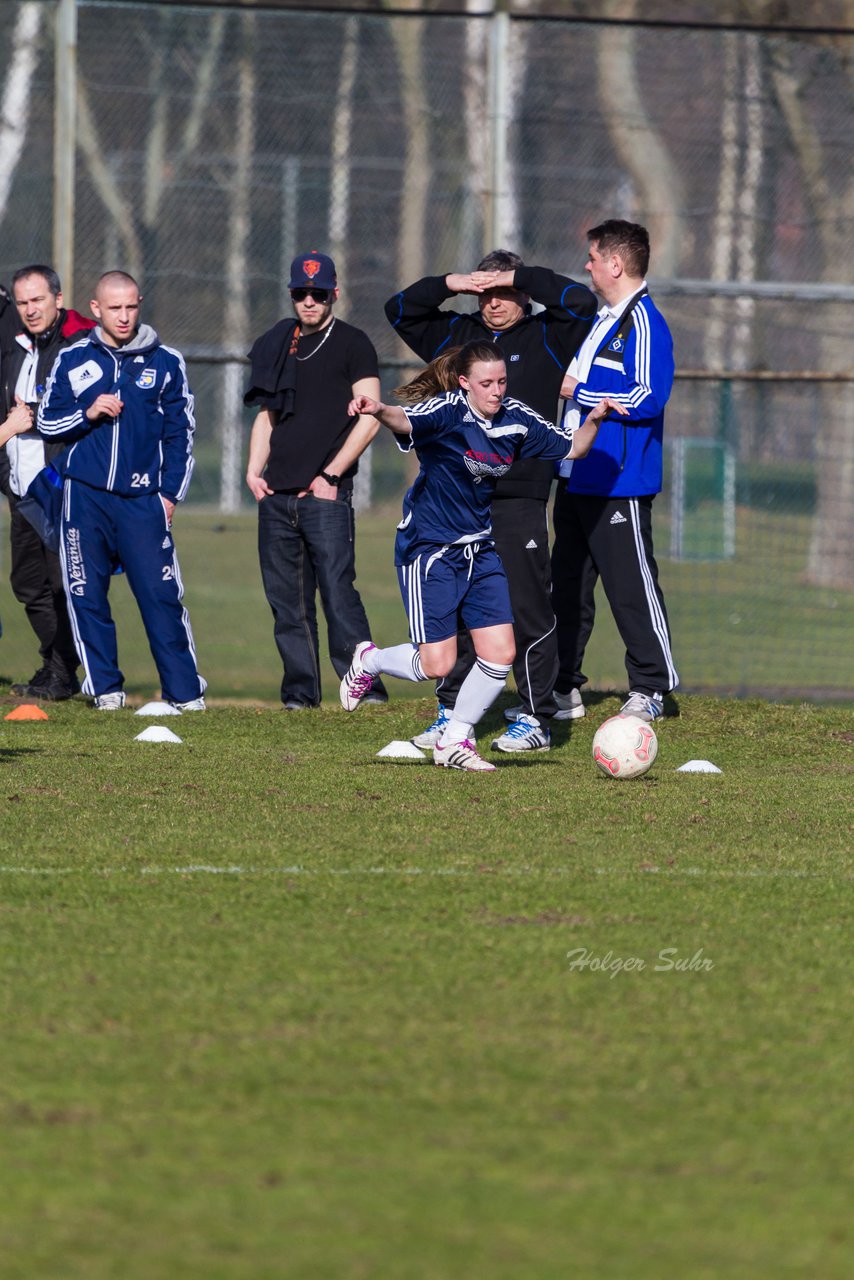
122,402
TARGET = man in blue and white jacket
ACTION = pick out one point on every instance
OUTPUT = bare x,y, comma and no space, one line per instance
121,401
603,508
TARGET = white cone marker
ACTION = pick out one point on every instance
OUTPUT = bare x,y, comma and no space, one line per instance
157,733
401,751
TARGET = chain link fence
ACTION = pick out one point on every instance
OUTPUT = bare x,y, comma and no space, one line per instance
212,144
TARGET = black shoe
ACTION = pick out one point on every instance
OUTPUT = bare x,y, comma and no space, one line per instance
56,688
28,688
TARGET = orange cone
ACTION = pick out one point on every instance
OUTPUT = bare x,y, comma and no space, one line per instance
26,711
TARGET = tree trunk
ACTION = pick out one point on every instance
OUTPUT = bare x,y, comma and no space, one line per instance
830,562
639,147
408,36
342,136
236,311
15,104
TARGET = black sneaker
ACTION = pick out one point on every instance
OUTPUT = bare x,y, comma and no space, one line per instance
28,688
56,688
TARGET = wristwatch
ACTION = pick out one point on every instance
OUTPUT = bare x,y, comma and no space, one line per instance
333,480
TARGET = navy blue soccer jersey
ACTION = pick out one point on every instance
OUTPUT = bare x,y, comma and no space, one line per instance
462,457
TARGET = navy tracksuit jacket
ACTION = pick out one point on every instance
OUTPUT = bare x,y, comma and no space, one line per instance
116,473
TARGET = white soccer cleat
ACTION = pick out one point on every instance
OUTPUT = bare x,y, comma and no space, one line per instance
569,705
461,755
524,734
646,706
195,704
110,701
356,683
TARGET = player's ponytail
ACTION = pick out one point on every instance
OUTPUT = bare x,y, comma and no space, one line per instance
443,373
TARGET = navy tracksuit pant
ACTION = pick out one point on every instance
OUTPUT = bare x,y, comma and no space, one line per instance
100,532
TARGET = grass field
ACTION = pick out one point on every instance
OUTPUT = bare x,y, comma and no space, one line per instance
272,1008
744,625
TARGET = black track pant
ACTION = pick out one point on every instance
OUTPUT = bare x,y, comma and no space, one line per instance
521,531
36,580
611,539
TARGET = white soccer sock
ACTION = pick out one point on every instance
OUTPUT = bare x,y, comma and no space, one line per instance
479,690
401,660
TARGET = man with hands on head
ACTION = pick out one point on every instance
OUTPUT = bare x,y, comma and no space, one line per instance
537,349
121,400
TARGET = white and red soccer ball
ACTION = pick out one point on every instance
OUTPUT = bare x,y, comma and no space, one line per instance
624,746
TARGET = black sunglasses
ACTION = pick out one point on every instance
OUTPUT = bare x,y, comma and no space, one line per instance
319,295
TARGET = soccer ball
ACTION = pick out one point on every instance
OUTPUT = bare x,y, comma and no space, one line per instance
624,746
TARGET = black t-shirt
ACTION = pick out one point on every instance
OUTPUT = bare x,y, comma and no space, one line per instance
328,363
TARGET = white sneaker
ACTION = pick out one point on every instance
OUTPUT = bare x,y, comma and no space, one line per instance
434,731
462,755
569,707
524,734
646,706
110,701
356,682
195,704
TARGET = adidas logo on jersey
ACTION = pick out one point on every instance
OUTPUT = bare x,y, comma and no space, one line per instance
617,518
531,546
468,418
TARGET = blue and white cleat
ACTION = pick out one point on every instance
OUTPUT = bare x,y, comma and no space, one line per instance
524,734
434,731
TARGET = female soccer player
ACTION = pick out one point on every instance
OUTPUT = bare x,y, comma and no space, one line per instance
466,435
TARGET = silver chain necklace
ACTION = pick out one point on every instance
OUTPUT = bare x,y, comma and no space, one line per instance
302,359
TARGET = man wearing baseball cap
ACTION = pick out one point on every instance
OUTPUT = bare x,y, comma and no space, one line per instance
303,455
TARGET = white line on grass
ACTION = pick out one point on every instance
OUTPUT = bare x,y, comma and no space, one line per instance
210,870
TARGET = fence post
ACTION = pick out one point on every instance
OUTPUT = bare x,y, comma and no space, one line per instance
498,90
65,120
232,422
677,497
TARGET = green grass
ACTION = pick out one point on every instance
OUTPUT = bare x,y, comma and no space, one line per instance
271,1007
745,625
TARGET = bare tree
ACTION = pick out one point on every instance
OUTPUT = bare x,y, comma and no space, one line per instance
17,92
639,145
137,222
408,35
723,229
830,561
236,314
342,134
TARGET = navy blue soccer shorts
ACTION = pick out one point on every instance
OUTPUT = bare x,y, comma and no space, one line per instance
443,585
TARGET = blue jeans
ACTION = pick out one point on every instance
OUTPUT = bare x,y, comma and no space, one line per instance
305,545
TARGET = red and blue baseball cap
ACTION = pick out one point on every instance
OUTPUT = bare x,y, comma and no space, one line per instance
313,269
